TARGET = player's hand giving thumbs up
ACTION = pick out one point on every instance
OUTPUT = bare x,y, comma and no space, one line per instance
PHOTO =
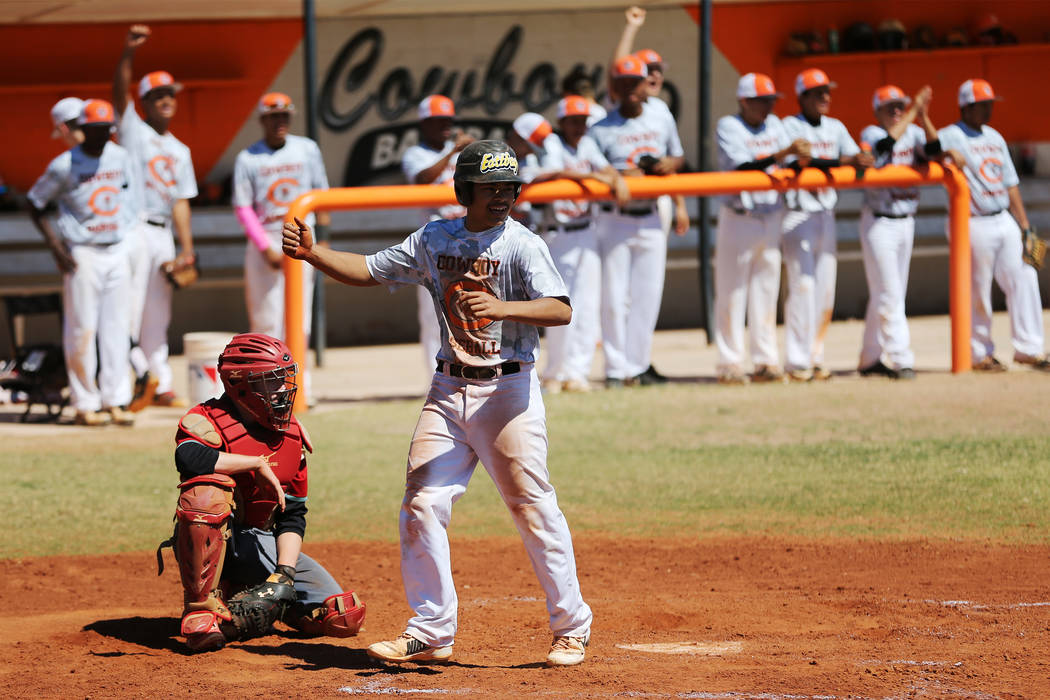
297,240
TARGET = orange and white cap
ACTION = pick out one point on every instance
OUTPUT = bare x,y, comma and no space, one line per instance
650,57
275,102
64,110
756,85
157,79
812,78
976,90
436,106
573,106
888,94
629,67
533,128
96,112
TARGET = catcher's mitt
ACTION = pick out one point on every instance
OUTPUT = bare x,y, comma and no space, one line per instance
256,609
182,271
1034,248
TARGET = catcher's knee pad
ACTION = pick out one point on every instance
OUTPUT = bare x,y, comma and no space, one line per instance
340,615
203,526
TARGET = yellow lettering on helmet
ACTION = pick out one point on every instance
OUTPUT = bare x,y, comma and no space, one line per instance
498,161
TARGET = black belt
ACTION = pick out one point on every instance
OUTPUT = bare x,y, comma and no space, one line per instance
994,213
157,222
468,372
579,226
891,216
628,212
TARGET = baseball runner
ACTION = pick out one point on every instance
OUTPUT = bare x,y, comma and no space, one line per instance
809,241
92,184
433,161
996,212
747,263
569,229
887,229
636,139
267,178
246,448
64,117
492,283
168,185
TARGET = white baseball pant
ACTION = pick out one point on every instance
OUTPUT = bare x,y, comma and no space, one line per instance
95,310
747,281
570,349
501,422
264,294
809,257
156,305
429,333
633,250
886,244
138,261
996,249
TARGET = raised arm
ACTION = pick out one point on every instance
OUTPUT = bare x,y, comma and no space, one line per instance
137,35
297,241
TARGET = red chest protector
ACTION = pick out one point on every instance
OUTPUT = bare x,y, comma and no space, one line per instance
257,503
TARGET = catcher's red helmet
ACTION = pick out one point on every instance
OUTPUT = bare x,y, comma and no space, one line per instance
258,373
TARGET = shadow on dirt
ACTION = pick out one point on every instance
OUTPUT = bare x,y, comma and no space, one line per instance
152,632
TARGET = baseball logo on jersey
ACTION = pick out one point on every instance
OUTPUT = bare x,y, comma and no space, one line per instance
105,201
162,167
283,191
632,159
992,170
456,314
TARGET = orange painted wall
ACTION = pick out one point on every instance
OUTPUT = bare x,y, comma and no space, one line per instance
224,66
752,36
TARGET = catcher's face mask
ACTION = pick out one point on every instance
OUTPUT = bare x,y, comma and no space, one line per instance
271,394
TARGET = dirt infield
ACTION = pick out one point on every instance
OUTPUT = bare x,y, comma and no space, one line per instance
724,618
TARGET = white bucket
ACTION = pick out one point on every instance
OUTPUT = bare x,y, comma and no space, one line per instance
202,352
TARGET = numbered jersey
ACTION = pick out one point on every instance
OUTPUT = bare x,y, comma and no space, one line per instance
509,262
624,140
829,139
989,170
909,149
95,196
418,158
739,143
268,180
163,163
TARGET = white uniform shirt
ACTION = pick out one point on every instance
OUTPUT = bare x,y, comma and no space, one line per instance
269,180
908,150
508,261
597,114
585,158
163,161
739,143
623,141
94,195
418,158
989,170
829,139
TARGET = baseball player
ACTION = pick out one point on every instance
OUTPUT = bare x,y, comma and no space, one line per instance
267,178
91,182
65,116
809,240
247,447
527,136
432,161
169,184
996,212
569,229
636,139
492,283
578,83
887,229
747,264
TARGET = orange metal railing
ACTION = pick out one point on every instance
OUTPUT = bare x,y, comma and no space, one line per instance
693,184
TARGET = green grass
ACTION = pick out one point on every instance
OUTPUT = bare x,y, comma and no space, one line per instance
942,458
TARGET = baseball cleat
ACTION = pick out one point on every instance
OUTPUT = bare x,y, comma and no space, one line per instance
202,632
904,373
408,648
121,416
92,418
1039,362
821,374
988,364
575,386
800,375
651,376
613,383
765,374
733,378
168,399
876,370
145,388
567,651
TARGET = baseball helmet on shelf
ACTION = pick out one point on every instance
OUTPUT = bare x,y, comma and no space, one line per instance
485,161
258,373
859,36
892,35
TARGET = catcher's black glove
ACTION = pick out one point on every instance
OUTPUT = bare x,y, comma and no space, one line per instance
256,609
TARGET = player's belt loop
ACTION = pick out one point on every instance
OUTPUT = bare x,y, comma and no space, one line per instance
468,372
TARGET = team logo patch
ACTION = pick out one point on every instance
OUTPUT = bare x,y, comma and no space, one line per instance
499,161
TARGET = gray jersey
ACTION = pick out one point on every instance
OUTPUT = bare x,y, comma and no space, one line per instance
739,143
269,180
829,139
909,149
508,261
989,170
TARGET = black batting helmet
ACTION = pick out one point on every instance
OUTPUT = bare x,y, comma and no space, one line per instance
485,161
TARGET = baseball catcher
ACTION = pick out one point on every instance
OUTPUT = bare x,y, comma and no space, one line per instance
241,513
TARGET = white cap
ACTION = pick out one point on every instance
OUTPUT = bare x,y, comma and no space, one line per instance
157,79
976,90
533,128
66,109
888,94
755,85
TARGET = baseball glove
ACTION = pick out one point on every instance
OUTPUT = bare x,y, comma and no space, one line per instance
1034,248
182,271
256,609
